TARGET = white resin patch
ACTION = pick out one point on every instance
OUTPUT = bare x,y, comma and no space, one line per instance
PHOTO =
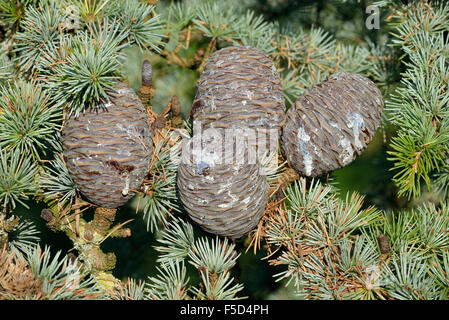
302,135
348,153
308,161
124,152
212,104
125,190
246,200
307,156
356,123
206,159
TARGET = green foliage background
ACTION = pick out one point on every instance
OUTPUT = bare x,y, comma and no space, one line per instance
376,174
369,174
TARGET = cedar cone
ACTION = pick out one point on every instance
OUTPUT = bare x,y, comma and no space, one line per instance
331,124
108,151
223,195
240,88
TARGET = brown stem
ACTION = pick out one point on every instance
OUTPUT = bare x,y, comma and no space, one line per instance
102,221
173,57
174,108
210,49
52,223
121,233
87,242
7,225
176,119
99,261
146,92
282,182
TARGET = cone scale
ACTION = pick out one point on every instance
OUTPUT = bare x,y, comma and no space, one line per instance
108,151
331,124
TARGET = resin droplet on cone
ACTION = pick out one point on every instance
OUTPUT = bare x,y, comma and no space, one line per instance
331,124
108,151
224,196
240,88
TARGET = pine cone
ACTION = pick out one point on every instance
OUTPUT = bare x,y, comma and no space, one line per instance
108,152
331,124
240,88
224,196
